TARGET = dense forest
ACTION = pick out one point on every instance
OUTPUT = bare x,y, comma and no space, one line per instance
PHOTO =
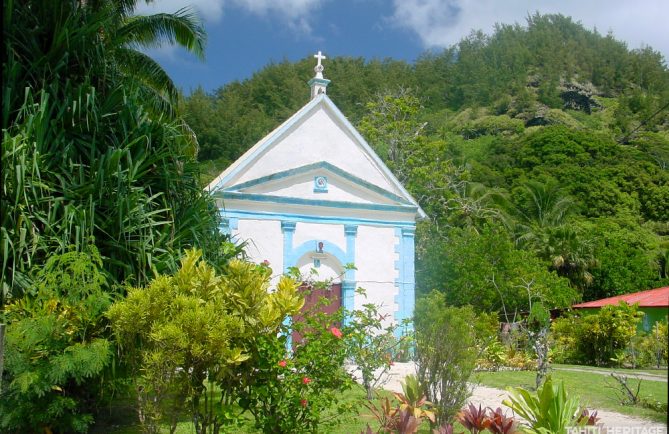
539,151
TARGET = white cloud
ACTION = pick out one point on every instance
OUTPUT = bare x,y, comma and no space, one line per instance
295,14
440,23
209,10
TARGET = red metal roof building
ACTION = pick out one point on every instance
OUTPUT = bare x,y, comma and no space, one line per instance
654,303
658,297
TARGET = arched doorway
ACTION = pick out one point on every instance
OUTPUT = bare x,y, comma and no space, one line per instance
322,288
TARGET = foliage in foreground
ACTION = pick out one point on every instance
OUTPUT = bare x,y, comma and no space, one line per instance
188,332
552,410
57,350
445,360
196,334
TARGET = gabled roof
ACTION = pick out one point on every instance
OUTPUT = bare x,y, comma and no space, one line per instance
658,297
236,174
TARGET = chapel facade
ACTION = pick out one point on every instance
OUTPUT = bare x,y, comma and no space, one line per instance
313,194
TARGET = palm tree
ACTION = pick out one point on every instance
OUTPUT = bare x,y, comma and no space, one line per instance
92,148
539,223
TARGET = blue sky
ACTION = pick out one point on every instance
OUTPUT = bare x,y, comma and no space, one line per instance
245,35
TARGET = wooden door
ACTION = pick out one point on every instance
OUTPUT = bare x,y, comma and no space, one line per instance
327,300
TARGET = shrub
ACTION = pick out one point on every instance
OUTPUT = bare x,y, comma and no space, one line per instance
56,349
445,353
597,338
188,332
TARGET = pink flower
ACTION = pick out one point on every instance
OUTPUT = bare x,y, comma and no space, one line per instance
336,332
306,380
282,363
304,402
265,263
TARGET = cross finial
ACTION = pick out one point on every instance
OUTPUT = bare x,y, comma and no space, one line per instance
320,57
318,84
318,69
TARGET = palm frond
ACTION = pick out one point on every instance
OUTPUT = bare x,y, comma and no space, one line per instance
182,28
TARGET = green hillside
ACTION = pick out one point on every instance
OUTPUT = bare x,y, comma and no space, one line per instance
540,153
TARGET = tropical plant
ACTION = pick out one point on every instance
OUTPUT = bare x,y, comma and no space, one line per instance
596,338
85,151
551,410
413,399
56,349
501,423
474,419
297,392
393,419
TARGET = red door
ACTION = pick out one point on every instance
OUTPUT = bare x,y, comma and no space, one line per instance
317,300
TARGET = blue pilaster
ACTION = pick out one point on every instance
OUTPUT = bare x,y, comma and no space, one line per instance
348,284
288,229
406,284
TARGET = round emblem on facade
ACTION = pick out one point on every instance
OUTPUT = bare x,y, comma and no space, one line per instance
320,184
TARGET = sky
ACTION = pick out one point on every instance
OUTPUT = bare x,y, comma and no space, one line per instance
245,35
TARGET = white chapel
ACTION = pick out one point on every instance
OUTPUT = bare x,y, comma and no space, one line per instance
313,194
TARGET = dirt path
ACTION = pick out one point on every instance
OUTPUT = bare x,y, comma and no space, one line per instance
491,397
635,375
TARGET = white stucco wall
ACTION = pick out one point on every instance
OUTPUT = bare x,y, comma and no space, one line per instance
311,142
330,234
264,241
375,258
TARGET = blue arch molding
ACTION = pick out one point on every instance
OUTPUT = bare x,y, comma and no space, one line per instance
291,255
405,283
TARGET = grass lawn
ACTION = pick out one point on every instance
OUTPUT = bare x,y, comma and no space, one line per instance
595,391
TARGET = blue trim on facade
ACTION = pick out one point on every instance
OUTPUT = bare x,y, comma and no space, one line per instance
406,297
228,225
302,218
321,81
288,229
312,246
315,202
323,165
348,285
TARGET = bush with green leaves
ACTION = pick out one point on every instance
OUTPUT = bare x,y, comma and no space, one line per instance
445,353
648,349
598,338
56,348
196,331
298,391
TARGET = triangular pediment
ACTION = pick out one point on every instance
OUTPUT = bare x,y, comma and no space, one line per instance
318,181
317,141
